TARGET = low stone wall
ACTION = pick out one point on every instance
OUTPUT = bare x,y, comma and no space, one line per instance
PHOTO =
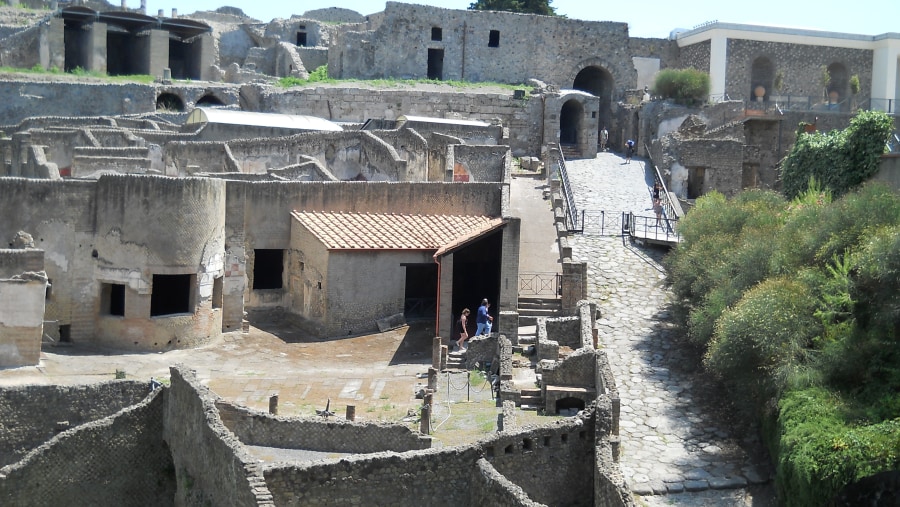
565,331
490,487
32,415
120,458
438,478
336,435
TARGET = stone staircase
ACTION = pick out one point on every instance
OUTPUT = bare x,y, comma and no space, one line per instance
456,360
533,307
571,151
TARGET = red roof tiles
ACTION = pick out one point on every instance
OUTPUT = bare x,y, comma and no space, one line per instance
388,231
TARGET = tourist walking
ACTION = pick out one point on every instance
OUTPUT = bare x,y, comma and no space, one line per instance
462,334
629,150
604,138
483,319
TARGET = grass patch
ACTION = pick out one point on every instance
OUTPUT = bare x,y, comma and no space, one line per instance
79,72
320,75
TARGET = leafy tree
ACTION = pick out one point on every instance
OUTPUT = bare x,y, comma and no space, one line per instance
521,6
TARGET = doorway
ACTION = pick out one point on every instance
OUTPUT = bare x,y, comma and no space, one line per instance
436,64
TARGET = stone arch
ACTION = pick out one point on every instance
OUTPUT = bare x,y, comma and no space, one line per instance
571,116
762,74
595,78
210,99
167,101
838,87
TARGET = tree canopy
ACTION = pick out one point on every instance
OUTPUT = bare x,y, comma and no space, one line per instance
521,6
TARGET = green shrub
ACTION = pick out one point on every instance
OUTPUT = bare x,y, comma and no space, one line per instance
840,159
822,449
684,85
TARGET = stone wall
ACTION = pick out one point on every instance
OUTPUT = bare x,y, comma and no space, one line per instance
484,46
800,65
565,331
211,466
98,463
31,415
360,102
338,435
479,163
440,478
561,454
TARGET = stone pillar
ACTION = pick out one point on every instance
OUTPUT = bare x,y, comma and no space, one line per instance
509,274
21,140
443,357
574,286
174,12
158,52
97,54
436,352
351,412
432,379
207,57
273,404
425,421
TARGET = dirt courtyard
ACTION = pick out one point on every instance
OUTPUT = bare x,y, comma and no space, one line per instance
378,374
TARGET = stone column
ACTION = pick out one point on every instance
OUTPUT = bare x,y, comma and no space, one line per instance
273,404
425,421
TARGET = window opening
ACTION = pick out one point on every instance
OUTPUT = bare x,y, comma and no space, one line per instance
267,269
436,33
171,295
112,297
494,39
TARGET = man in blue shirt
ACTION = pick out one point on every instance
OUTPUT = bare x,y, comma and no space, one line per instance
483,320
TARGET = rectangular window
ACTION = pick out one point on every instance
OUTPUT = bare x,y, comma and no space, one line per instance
171,295
217,292
112,299
494,39
436,33
268,266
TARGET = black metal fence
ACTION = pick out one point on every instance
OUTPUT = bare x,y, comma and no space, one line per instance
559,165
540,284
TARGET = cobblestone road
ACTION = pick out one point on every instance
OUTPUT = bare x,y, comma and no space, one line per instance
671,443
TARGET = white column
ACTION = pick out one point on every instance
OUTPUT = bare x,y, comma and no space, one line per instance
885,90
718,65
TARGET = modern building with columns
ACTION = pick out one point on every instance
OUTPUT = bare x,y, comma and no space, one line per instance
795,66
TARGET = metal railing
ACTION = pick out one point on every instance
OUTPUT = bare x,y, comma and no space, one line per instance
659,230
540,284
601,223
803,103
559,161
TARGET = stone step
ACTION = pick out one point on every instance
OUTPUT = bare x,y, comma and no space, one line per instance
529,407
538,312
530,393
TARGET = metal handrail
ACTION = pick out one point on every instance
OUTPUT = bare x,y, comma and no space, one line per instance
568,195
669,209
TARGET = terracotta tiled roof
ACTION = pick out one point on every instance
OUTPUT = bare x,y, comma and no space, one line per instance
388,231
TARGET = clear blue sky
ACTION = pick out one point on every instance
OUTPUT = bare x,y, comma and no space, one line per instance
648,18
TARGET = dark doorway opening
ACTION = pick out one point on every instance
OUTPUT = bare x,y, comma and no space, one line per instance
126,54
76,39
420,299
268,267
301,39
476,275
184,59
567,404
171,295
570,122
696,176
436,64
112,299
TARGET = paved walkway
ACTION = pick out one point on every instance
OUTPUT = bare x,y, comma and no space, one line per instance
671,442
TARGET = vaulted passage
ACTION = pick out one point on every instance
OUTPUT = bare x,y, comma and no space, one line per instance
597,81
